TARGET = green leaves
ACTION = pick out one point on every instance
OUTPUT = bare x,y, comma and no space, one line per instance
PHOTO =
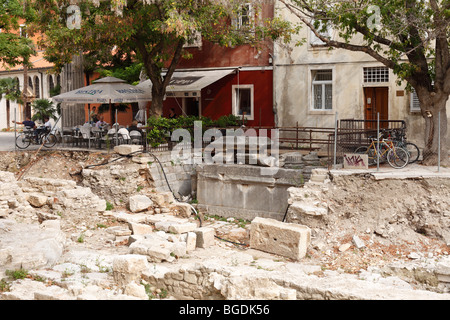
162,127
43,108
9,89
14,49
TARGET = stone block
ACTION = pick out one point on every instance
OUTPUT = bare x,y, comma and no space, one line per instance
205,237
182,227
37,200
127,149
139,203
140,228
191,241
356,161
284,239
128,268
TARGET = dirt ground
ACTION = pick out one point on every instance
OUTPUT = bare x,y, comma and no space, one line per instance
397,220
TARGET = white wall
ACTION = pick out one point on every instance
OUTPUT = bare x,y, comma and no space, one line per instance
44,93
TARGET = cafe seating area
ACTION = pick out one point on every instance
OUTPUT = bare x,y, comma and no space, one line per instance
90,136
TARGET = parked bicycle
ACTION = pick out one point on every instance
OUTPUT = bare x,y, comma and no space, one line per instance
30,136
399,138
397,157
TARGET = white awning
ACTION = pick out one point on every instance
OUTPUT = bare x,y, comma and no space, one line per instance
189,83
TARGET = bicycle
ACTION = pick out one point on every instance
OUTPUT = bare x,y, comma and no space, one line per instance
28,136
397,157
399,138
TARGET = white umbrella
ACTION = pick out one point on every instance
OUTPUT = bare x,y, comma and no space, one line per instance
105,90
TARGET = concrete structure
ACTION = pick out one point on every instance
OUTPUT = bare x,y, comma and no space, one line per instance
312,83
240,191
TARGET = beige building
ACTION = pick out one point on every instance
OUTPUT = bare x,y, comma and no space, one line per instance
313,83
40,84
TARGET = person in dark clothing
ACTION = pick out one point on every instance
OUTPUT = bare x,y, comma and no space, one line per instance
27,123
172,114
134,127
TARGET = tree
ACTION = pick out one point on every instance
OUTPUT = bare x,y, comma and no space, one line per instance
9,89
43,108
153,32
14,48
411,37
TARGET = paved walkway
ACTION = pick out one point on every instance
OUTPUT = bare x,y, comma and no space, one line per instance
410,171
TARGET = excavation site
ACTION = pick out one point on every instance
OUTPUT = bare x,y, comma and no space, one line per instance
118,225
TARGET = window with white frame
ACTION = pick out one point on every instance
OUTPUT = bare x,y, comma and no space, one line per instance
376,74
244,16
322,89
415,103
323,29
243,101
23,31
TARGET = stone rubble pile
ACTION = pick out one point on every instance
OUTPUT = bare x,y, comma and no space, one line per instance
159,248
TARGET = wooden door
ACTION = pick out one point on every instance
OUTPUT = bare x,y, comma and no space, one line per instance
376,101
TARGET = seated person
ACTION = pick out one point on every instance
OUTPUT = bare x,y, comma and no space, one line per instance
47,127
134,127
27,123
101,123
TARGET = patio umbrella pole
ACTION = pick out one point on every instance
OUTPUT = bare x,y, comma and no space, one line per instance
117,129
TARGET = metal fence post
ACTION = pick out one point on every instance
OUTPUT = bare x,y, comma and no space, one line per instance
335,141
378,142
15,129
439,141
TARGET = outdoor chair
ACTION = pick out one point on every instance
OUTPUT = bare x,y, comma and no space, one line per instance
125,135
86,135
112,137
136,137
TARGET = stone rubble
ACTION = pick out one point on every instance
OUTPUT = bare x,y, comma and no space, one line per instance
75,249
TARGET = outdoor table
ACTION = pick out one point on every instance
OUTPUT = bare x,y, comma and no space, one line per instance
99,134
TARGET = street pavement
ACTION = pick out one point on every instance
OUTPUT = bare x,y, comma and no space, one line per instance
7,141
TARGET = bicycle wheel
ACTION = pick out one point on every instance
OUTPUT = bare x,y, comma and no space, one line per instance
49,140
413,151
371,154
23,141
398,158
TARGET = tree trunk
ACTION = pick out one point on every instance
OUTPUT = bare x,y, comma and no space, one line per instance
156,109
435,116
8,114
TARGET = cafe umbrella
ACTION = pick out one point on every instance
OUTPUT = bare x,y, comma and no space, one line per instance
106,90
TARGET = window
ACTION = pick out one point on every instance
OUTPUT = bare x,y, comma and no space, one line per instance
243,101
244,16
322,89
36,88
22,30
324,30
415,103
194,41
376,74
51,85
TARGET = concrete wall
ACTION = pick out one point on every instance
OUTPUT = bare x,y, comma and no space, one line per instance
179,175
241,191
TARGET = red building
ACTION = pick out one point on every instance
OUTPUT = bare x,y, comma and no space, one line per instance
219,81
